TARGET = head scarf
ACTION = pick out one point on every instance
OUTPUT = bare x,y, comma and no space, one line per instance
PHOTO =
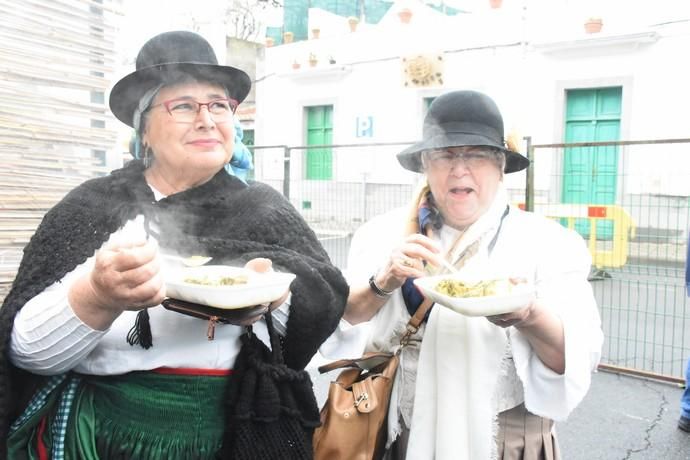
241,162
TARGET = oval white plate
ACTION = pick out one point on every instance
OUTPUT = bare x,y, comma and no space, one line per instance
521,295
260,287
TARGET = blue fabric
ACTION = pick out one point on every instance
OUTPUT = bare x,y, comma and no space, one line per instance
241,162
411,295
424,216
685,399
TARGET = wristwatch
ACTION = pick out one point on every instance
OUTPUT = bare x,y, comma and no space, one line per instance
377,290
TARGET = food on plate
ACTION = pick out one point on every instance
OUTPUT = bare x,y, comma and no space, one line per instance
217,280
457,288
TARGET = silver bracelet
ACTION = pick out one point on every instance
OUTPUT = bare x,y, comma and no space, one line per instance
377,290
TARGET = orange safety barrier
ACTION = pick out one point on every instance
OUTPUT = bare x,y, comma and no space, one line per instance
623,229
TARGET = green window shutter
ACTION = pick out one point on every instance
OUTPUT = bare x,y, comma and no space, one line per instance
320,132
248,137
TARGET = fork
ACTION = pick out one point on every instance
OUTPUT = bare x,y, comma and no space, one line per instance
449,266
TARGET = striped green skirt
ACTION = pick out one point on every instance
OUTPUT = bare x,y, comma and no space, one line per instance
142,415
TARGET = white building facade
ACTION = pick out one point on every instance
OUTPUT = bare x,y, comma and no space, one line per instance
552,81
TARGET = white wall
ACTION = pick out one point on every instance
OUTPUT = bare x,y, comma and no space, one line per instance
526,70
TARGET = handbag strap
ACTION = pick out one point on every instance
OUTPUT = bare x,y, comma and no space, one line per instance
415,322
412,327
365,362
276,349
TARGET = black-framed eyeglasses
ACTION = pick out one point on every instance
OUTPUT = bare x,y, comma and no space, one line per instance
186,110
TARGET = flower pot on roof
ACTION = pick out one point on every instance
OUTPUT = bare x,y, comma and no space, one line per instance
495,3
405,15
353,21
593,25
315,33
269,42
288,37
313,60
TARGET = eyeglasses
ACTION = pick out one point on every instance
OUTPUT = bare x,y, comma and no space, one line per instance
471,159
186,110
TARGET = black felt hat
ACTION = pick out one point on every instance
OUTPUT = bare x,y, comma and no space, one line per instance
458,119
168,58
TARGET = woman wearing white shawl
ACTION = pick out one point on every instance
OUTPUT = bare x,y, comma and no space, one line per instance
474,389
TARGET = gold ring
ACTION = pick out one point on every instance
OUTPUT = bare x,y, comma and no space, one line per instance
407,262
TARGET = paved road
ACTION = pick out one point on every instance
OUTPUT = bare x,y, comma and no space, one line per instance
625,418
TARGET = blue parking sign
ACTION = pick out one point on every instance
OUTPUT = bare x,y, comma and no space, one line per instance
365,126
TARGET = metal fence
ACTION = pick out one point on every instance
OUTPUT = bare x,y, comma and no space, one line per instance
640,249
637,235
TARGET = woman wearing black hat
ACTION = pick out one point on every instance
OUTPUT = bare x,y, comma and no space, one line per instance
91,365
468,388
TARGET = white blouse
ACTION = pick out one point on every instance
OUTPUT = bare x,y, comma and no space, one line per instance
49,338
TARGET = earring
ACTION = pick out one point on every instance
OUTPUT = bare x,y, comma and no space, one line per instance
148,156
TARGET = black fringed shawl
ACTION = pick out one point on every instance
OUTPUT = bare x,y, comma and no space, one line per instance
223,218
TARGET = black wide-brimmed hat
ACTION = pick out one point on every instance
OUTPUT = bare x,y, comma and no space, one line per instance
168,58
459,119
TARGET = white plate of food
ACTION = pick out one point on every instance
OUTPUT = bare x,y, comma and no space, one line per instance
223,286
472,297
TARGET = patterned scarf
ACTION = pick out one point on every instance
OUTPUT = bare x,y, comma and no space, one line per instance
423,219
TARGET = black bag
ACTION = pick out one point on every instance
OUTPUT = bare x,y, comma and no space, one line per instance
272,410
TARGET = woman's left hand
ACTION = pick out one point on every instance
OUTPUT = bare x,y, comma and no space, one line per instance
515,318
263,265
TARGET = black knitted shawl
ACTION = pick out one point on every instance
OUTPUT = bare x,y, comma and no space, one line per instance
223,218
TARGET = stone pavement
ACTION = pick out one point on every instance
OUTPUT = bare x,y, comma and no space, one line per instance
625,418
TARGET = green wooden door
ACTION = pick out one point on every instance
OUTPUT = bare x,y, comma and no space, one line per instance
320,132
590,173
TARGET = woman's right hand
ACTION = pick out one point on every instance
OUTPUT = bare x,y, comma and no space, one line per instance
125,276
407,261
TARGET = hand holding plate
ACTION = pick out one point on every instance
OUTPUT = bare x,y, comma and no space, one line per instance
263,265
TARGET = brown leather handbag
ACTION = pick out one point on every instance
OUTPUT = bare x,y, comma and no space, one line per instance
353,419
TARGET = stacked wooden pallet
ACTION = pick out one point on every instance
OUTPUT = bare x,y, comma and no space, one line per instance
57,64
